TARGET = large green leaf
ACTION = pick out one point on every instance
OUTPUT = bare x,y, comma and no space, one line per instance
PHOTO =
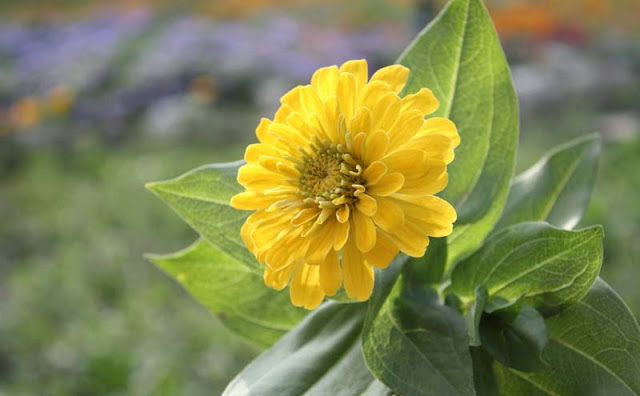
235,293
594,349
429,269
459,57
483,377
552,268
201,197
516,343
413,343
474,315
321,356
557,188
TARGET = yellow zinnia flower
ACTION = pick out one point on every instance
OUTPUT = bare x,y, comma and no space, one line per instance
343,179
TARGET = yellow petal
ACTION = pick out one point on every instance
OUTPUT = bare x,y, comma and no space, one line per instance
357,144
429,186
283,253
410,239
269,163
282,113
278,165
358,275
382,254
254,176
372,93
432,180
292,98
387,185
366,205
301,123
262,131
318,124
311,103
253,152
374,172
386,111
286,146
408,162
284,202
278,279
289,134
325,81
287,170
361,122
279,247
364,230
432,226
305,290
341,236
346,89
432,214
395,75
311,228
329,124
330,274
280,191
324,215
251,200
245,232
389,215
423,100
406,126
342,214
441,126
376,146
435,146
359,70
305,215
321,242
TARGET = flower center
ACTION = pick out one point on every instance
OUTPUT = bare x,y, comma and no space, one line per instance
329,176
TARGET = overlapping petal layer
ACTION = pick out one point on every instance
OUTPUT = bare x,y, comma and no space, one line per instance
343,179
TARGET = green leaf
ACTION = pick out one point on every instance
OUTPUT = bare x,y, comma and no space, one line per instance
518,343
483,378
551,268
458,56
474,315
413,343
321,356
557,188
201,197
594,348
429,269
235,293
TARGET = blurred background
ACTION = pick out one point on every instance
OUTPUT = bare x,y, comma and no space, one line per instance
97,98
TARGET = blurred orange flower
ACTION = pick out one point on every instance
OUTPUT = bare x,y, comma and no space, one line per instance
203,89
25,113
59,100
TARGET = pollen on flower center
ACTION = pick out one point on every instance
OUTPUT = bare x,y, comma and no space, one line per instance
329,176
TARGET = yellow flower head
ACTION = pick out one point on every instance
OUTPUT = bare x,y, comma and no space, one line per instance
343,179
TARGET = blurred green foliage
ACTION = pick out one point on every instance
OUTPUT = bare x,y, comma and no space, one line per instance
82,313
615,206
614,200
